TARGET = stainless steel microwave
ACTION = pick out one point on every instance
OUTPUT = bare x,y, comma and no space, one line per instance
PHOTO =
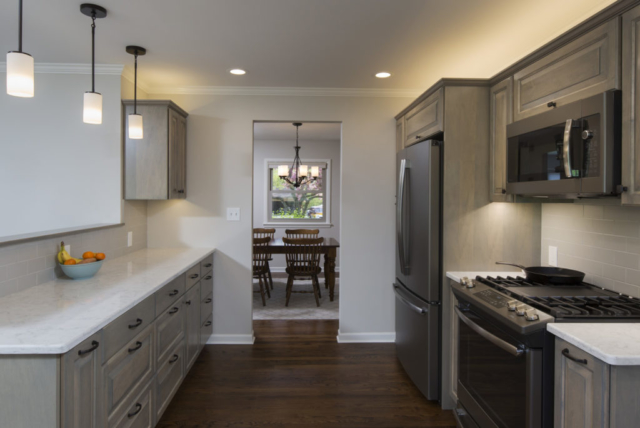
572,151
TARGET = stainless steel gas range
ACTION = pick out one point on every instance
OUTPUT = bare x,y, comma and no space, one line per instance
506,355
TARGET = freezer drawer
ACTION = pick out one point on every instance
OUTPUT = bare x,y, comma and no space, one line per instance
417,341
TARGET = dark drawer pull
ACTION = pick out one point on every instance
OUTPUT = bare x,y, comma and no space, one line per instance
208,277
173,293
207,324
94,346
136,411
180,191
208,300
565,352
173,311
194,276
137,324
208,265
135,348
551,104
174,359
188,302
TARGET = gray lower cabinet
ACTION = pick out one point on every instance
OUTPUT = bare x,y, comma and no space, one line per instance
630,106
501,111
192,303
586,66
155,166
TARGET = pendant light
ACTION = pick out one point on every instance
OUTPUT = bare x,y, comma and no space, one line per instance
298,174
92,112
20,68
135,120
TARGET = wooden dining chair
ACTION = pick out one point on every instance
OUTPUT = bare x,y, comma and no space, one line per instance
260,258
303,260
302,233
266,233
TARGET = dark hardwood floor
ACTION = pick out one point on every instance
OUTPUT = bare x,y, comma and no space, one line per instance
296,375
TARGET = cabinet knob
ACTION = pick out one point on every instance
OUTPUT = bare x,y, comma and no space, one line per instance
504,191
551,104
194,276
418,137
174,359
208,300
587,134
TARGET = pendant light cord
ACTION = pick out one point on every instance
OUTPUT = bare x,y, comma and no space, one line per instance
20,30
135,85
93,51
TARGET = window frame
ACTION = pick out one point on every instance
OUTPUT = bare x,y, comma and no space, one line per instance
326,191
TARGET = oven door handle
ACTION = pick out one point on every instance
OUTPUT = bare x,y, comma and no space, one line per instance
566,147
515,351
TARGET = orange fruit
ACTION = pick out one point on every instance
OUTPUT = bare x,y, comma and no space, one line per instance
70,262
100,256
88,255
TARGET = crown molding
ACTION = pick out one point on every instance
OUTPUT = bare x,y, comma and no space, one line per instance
55,68
128,74
284,91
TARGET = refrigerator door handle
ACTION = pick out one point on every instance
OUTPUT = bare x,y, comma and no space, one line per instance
400,214
413,307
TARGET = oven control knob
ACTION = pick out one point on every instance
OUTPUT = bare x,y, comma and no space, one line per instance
587,134
466,282
521,309
531,315
512,304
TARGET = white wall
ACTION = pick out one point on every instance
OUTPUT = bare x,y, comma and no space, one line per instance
310,151
219,175
57,172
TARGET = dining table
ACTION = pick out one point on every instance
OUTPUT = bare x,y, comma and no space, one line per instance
329,248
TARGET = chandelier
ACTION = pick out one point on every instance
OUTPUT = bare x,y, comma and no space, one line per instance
298,174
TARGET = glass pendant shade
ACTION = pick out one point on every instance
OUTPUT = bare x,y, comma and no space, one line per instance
92,112
304,170
135,127
283,170
315,171
20,74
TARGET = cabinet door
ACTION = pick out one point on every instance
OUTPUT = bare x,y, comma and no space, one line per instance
425,119
177,155
192,301
630,104
399,134
501,115
625,396
587,66
582,388
80,384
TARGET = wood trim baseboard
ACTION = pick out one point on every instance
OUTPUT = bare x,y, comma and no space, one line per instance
231,339
377,337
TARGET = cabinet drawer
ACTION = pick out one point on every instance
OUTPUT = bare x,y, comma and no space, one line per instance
170,328
206,307
193,275
206,330
193,324
170,375
170,293
207,285
587,66
206,265
127,372
127,326
138,413
425,120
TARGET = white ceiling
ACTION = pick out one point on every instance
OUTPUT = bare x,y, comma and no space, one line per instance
297,43
309,131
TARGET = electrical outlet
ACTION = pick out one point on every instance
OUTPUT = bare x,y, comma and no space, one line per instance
553,255
233,214
130,239
68,248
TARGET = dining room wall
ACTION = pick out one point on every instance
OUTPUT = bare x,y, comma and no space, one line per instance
312,150
220,175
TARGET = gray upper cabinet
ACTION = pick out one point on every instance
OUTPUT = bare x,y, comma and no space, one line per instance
425,119
630,103
155,166
584,67
399,134
501,106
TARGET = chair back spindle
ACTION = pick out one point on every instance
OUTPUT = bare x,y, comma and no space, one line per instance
302,233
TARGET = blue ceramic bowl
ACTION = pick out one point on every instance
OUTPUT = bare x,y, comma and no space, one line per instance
83,271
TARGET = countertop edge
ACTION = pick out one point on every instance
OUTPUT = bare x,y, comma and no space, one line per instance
64,348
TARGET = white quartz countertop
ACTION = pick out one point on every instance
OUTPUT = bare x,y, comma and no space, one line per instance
54,317
617,344
457,276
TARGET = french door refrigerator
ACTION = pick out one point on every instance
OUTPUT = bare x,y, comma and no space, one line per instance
418,272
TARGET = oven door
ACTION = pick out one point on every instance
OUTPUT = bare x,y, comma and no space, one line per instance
499,379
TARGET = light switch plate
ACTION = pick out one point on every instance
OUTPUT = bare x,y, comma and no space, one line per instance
553,255
233,214
130,239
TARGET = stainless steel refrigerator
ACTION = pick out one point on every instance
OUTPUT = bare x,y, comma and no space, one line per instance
418,267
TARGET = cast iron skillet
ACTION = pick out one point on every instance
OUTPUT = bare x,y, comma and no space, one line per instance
549,275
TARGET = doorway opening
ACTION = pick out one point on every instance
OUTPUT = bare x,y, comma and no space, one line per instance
296,274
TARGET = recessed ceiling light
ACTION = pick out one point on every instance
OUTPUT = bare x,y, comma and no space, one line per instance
383,75
237,71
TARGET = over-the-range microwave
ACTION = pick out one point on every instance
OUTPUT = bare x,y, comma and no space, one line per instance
572,151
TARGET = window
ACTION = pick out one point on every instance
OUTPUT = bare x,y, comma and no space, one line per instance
308,203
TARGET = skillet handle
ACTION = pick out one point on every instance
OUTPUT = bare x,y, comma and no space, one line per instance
511,264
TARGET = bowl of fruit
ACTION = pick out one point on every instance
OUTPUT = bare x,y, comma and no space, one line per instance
83,268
